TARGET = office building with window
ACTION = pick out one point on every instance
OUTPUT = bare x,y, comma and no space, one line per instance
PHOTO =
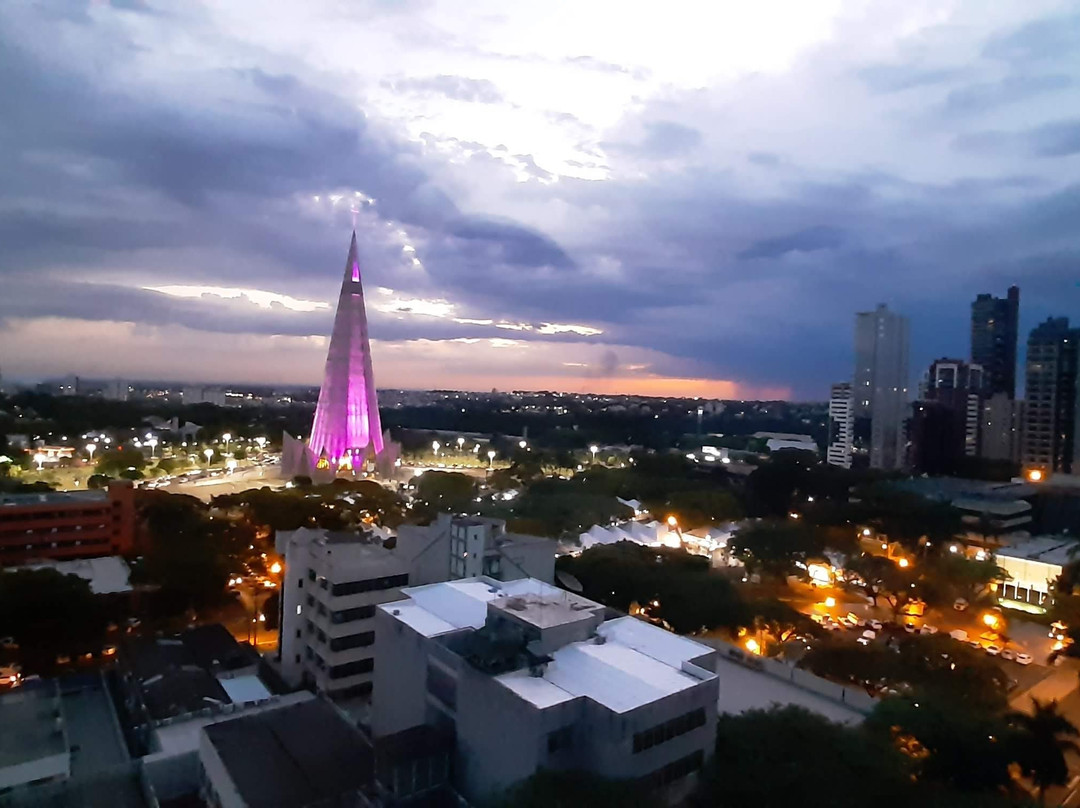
526,676
331,584
841,427
1001,428
1050,416
994,322
880,393
944,425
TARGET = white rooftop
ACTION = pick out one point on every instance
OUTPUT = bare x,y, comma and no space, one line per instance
635,664
244,689
1047,549
107,575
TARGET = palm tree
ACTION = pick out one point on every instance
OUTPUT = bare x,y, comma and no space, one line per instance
1043,739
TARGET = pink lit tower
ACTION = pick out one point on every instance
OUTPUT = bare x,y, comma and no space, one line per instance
346,435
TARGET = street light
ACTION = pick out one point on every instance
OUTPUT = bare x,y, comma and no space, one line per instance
227,437
208,453
435,446
275,568
260,442
152,443
594,449
39,458
522,444
460,443
491,456
90,449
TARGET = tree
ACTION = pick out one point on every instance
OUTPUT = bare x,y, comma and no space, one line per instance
699,507
115,461
883,577
575,789
949,742
957,576
774,547
1044,736
49,613
451,491
788,756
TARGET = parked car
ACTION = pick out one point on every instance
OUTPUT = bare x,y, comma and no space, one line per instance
1008,653
928,629
1024,659
876,625
993,650
855,619
975,644
959,635
960,604
909,628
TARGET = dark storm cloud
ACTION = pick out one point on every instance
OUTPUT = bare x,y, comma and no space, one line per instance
981,97
1049,140
809,240
1039,41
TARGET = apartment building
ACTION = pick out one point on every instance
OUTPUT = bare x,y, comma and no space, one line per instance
331,585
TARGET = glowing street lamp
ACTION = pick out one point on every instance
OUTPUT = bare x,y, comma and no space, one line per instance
435,446
594,449
152,443
523,444
90,449
460,443
227,437
208,453
275,568
491,457
260,442
39,458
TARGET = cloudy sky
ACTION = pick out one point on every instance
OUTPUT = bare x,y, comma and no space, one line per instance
685,198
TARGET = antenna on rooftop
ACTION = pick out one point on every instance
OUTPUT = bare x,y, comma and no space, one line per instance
569,581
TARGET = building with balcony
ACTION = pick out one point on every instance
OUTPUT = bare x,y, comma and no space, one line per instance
330,588
526,676
67,524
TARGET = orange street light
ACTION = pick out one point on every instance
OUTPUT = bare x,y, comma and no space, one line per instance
275,568
1035,476
903,563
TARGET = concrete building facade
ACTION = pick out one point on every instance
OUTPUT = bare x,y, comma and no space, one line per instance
526,676
466,546
67,524
838,451
1051,413
880,392
330,588
1001,429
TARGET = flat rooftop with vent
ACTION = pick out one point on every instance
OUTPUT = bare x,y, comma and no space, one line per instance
526,676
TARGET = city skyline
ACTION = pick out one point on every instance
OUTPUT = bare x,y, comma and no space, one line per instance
585,207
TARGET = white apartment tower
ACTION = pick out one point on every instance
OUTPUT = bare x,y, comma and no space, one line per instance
880,392
840,426
330,588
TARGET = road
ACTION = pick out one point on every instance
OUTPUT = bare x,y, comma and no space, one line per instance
228,483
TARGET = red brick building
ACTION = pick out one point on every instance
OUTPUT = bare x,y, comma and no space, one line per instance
67,524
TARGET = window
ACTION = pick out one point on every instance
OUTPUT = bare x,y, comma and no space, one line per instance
310,600
673,771
349,615
311,574
561,738
370,585
353,641
352,668
442,686
299,583
661,733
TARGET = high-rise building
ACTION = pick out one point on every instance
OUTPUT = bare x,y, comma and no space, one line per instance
1050,427
993,339
346,433
881,383
1001,428
944,425
838,452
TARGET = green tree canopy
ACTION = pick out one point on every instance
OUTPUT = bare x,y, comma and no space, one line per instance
49,613
115,461
773,547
